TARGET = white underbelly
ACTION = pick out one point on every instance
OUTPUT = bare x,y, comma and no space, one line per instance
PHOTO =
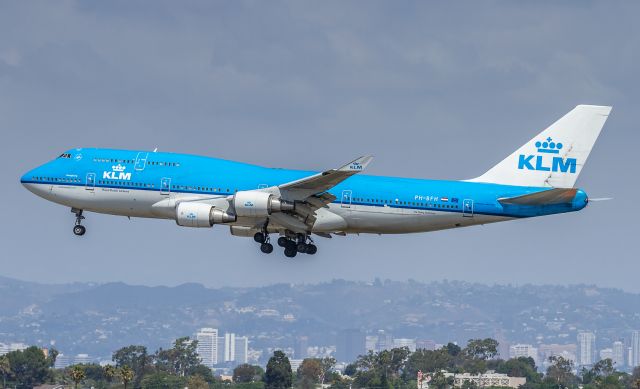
113,201
391,220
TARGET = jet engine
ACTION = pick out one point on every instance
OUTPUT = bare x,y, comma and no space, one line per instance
190,214
258,204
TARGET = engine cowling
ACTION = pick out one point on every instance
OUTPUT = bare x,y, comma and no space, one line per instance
189,214
258,204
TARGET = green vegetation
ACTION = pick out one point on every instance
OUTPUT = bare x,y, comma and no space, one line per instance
278,374
179,367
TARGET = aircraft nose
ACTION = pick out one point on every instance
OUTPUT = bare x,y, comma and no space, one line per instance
26,177
29,177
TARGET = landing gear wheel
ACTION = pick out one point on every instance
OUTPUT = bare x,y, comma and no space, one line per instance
302,247
79,230
291,245
266,248
312,249
290,253
282,241
259,237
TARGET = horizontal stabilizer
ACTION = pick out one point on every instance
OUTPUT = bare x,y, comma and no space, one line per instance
547,197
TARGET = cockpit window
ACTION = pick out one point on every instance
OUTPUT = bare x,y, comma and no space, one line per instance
65,155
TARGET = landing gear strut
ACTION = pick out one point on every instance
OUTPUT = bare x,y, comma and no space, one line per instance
264,240
78,229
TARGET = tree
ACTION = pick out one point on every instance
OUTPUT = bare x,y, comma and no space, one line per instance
309,373
382,368
204,372
180,359
278,374
603,376
427,361
197,382
28,367
126,375
52,355
247,373
77,374
162,380
135,358
110,373
440,381
453,349
520,367
481,348
561,372
351,369
5,369
326,364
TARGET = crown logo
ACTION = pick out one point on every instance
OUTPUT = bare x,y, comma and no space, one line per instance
118,168
549,146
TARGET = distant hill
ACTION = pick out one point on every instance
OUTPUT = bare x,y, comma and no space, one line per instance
99,318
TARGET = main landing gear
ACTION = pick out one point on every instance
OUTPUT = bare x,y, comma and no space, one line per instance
78,229
264,240
300,243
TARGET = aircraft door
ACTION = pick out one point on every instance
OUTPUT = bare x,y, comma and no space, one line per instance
165,186
91,181
141,161
346,199
467,208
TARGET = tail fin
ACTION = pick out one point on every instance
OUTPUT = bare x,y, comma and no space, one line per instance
555,157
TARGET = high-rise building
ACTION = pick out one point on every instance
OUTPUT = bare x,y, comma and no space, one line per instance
242,349
350,345
62,361
618,354
220,348
300,345
404,342
426,344
385,341
586,348
523,350
229,347
370,342
82,359
606,353
208,346
11,347
635,349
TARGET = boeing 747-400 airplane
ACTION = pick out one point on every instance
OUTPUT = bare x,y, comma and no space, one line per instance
536,180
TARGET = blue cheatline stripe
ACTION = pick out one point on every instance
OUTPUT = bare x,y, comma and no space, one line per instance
102,186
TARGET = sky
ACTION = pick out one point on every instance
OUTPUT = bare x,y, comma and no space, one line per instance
440,90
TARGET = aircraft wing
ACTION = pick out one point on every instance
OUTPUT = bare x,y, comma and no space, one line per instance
310,194
319,183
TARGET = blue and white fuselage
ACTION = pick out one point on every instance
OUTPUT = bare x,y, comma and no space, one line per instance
201,191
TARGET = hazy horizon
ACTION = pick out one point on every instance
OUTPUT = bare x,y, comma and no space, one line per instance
432,90
328,281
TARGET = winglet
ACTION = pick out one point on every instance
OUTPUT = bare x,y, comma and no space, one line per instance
357,165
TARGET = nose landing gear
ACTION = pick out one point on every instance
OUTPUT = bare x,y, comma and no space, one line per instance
78,229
